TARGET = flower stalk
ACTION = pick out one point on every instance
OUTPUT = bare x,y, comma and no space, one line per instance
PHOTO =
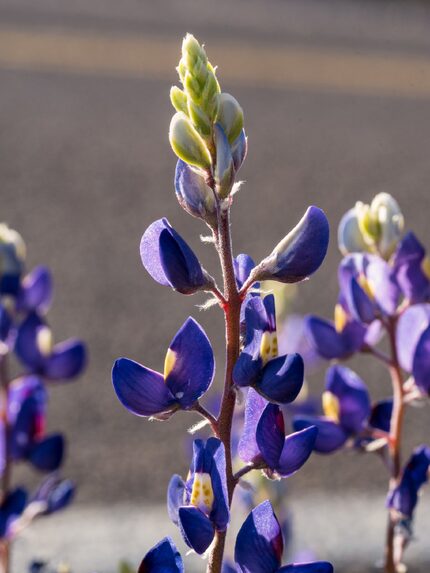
7,470
395,442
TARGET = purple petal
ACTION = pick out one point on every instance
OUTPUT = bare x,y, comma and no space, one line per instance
26,346
162,558
380,417
359,303
407,263
193,194
330,436
353,397
228,567
169,260
381,279
209,458
282,379
239,149
197,529
26,410
270,435
5,324
243,265
193,367
411,325
139,389
248,447
374,333
421,362
316,567
36,291
55,493
296,451
11,509
47,455
259,543
331,344
303,250
404,497
68,359
175,497
293,338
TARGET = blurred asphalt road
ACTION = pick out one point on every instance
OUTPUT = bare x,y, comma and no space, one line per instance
336,97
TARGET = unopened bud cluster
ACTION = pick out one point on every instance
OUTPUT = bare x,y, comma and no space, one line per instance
206,132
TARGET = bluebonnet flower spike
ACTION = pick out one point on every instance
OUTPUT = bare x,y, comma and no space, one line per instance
300,253
188,372
259,546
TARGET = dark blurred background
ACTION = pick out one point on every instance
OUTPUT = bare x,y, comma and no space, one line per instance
336,95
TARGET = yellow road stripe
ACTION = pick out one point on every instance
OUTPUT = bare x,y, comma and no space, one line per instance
277,66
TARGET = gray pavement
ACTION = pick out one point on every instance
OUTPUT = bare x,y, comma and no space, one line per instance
85,166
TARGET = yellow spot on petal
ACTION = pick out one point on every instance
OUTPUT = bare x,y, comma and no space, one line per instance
366,285
44,340
169,362
340,318
202,499
331,406
425,267
268,346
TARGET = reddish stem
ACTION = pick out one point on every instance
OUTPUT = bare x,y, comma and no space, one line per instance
232,331
396,426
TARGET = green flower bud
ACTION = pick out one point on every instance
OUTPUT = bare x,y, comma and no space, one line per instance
380,223
187,143
200,119
224,168
192,51
201,87
230,116
178,99
349,236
